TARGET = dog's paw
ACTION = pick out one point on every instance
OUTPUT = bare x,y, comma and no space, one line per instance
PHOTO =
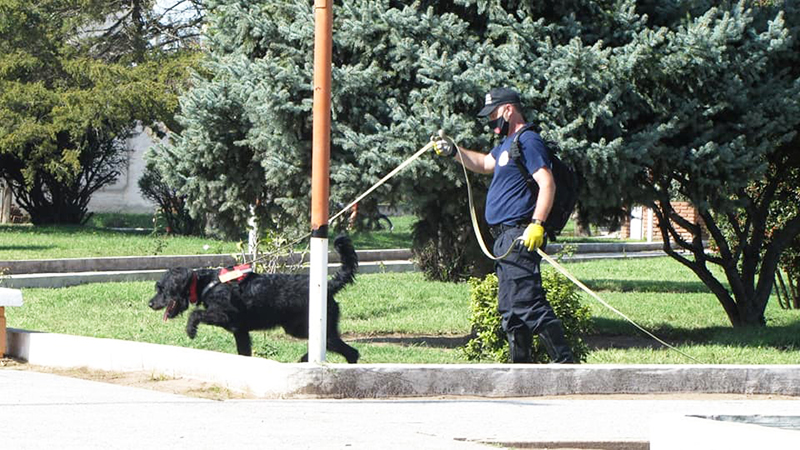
191,331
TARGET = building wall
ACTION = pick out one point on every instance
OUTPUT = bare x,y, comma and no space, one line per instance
124,195
687,211
650,230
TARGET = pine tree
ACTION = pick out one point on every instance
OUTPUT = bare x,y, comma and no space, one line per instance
692,100
247,137
400,73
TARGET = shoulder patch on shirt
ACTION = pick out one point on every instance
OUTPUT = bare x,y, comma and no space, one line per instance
503,159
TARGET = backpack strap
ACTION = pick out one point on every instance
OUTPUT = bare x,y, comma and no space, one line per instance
515,153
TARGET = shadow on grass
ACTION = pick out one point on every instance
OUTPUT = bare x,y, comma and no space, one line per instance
599,284
617,333
38,230
27,247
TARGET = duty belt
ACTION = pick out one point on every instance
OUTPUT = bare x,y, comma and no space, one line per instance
499,229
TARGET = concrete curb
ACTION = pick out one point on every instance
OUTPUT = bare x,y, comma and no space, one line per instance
270,379
56,273
131,263
58,280
139,263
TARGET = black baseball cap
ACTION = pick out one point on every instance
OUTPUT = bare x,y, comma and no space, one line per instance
497,97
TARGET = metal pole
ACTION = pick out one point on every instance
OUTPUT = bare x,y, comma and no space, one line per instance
252,233
320,173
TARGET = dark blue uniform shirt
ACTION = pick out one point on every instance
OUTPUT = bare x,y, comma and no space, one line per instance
509,200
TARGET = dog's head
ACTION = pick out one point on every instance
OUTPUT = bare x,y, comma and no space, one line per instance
173,292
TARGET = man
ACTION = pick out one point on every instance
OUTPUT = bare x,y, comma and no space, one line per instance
513,211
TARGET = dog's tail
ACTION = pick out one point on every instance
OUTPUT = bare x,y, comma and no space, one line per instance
347,271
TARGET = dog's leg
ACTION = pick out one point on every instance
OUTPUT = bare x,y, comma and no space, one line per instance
194,320
334,341
337,345
207,316
243,343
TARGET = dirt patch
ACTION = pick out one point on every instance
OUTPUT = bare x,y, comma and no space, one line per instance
603,342
145,380
438,341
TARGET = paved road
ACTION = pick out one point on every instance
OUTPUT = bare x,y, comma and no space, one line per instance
39,410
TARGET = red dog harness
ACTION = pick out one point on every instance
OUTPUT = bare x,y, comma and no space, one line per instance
193,289
238,273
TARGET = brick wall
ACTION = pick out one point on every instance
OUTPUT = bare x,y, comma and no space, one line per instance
688,212
684,209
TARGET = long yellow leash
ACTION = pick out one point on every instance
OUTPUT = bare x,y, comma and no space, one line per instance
482,243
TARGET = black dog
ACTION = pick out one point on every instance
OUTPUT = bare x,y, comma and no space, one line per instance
255,302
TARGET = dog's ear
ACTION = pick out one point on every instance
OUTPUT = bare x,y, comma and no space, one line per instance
181,277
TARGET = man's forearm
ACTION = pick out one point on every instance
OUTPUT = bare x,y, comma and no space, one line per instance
472,160
544,202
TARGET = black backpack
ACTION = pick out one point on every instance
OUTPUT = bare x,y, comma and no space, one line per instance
567,184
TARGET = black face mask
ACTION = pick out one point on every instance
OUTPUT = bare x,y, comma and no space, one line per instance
501,123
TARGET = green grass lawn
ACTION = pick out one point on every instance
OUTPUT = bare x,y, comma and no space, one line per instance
98,239
23,242
402,318
399,237
377,305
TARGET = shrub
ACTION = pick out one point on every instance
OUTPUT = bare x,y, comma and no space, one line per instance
789,290
171,205
120,220
490,341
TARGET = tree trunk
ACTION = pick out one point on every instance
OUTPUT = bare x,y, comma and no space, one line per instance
5,202
743,306
581,229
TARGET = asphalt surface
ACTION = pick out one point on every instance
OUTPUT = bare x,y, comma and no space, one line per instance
40,410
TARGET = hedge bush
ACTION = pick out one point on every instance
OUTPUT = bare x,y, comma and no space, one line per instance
172,206
489,341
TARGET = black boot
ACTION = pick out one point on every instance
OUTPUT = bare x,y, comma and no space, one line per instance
519,345
552,336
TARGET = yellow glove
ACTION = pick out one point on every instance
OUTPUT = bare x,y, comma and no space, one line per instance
443,145
533,237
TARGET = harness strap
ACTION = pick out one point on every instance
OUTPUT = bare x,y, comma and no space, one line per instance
209,287
515,152
193,298
238,273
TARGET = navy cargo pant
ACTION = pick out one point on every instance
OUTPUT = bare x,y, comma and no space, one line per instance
521,299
